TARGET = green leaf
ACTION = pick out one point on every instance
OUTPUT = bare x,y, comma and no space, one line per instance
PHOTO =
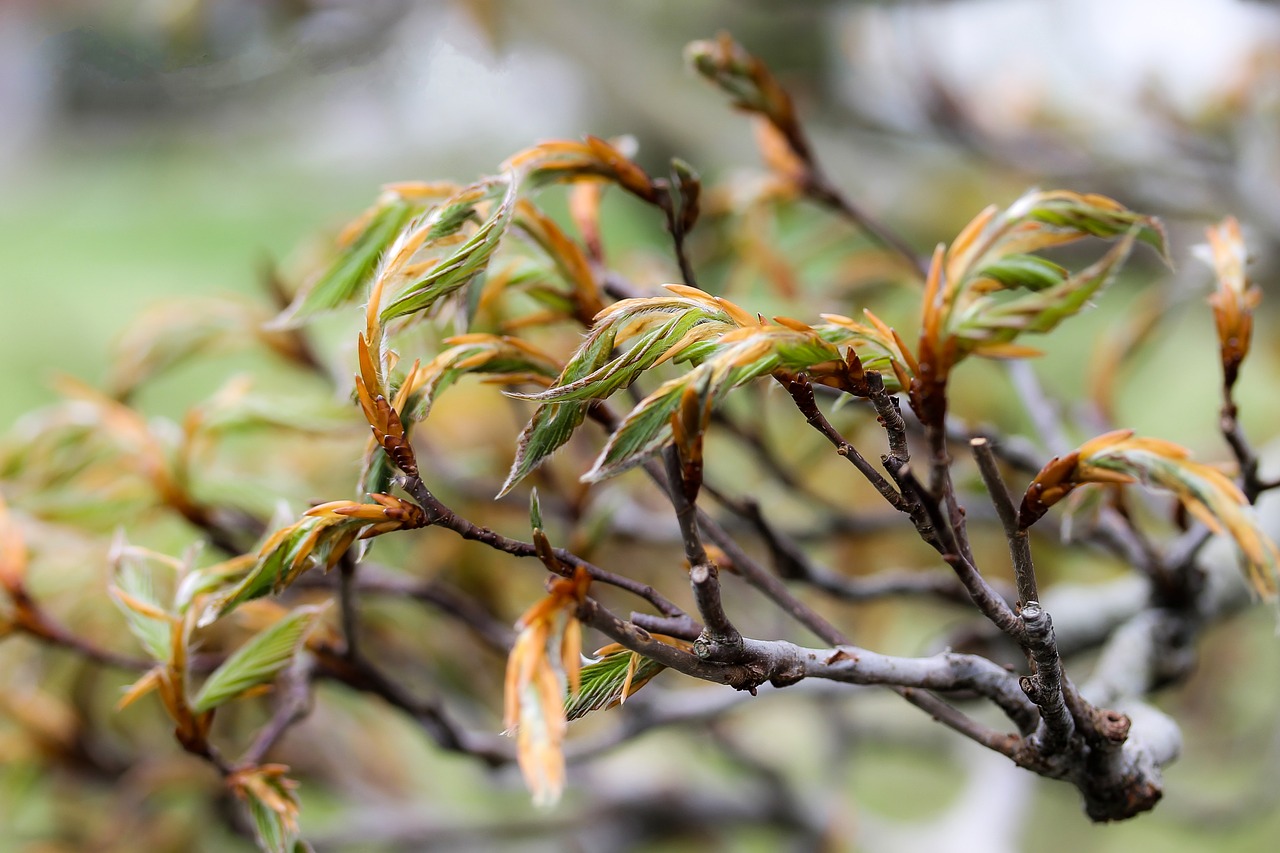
342,283
535,510
273,807
645,431
620,372
553,424
377,474
258,661
134,580
754,353
1078,215
460,268
256,583
308,542
603,681
197,582
491,355
1029,272
272,834
1000,317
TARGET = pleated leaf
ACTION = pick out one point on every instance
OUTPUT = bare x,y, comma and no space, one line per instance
1118,457
490,355
553,424
461,267
741,356
258,661
610,681
133,591
343,282
273,806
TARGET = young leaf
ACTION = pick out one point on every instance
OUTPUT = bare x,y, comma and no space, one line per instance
13,551
553,424
608,681
659,329
461,267
1027,272
258,661
273,805
1235,298
563,160
999,317
341,284
664,337
134,594
535,510
544,662
569,259
1068,216
498,357
740,356
745,79
1119,458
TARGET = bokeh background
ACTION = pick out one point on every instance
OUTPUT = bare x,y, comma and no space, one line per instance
153,149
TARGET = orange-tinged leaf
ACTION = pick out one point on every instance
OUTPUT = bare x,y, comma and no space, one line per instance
13,551
777,152
959,256
793,324
1207,494
1007,350
584,210
144,685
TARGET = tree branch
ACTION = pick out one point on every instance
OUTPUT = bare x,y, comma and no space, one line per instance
720,639
1024,570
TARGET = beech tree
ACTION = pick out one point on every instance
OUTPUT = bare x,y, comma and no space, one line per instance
646,402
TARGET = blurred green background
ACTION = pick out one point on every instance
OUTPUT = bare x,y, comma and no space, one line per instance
168,148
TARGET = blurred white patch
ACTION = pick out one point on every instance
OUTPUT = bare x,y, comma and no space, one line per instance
1084,64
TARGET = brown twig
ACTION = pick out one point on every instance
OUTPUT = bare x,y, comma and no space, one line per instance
939,534
360,674
348,604
374,579
791,563
1246,457
1024,570
720,639
801,391
442,516
29,618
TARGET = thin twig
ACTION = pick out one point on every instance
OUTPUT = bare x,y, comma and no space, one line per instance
1246,457
819,188
721,639
1024,570
348,604
442,516
677,231
940,535
361,674
376,580
942,488
791,563
801,391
